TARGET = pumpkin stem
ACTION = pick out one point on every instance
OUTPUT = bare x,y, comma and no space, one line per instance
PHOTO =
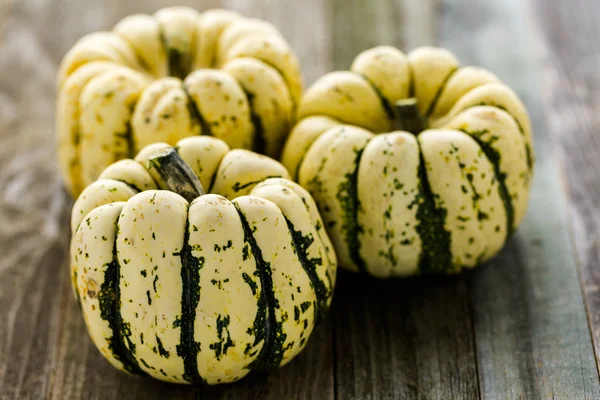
408,117
172,173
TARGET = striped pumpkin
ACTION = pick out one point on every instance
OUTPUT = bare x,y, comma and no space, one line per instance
418,165
175,74
188,287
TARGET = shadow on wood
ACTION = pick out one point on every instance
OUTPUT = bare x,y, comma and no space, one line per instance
407,338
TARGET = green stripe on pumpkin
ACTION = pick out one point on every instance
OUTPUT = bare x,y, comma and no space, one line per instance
109,299
188,348
437,96
195,114
265,325
347,195
179,64
301,244
259,142
494,157
528,149
387,106
436,255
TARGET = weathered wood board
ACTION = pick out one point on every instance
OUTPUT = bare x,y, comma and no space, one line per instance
518,327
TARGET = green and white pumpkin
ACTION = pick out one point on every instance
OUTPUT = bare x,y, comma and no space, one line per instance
175,74
418,165
189,287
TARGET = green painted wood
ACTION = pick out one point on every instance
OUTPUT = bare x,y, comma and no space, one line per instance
530,325
408,339
568,34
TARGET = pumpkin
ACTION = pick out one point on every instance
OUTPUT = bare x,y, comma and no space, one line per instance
189,287
418,165
175,74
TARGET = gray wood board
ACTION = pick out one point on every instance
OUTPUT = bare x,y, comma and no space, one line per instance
515,328
530,325
569,43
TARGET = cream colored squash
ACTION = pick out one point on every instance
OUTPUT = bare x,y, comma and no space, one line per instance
176,74
189,287
418,165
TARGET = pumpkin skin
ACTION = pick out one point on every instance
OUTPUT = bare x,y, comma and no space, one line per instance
417,165
175,74
203,290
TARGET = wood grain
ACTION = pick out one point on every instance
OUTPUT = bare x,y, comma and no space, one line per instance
407,339
33,212
516,328
530,324
398,339
568,38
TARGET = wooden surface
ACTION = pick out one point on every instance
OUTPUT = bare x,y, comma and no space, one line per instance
524,326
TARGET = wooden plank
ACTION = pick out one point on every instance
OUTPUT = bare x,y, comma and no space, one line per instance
532,337
568,36
30,309
398,339
374,340
405,339
44,348
32,212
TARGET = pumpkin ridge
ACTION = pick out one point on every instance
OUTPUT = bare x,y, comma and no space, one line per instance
142,63
214,178
493,157
259,143
128,134
175,65
195,119
237,187
195,113
349,205
177,61
384,102
109,300
271,352
188,348
439,93
75,138
297,172
301,243
131,185
528,150
280,72
435,239
163,42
